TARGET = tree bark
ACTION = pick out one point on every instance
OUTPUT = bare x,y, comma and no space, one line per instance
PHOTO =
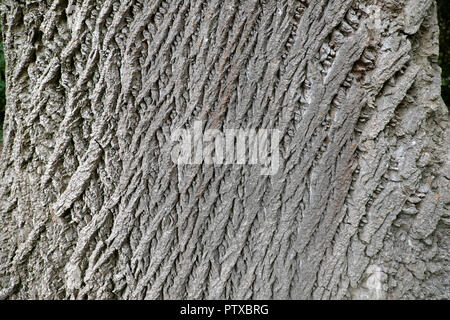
93,207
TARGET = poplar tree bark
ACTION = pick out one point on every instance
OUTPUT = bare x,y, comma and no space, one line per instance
93,207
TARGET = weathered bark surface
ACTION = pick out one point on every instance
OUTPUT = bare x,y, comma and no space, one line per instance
91,205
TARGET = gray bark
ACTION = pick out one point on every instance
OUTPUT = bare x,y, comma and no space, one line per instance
91,205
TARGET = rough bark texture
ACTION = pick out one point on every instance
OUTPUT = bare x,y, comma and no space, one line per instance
91,205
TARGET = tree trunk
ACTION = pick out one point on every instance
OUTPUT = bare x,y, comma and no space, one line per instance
93,206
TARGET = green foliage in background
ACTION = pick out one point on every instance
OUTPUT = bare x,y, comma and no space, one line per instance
444,40
2,85
2,79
